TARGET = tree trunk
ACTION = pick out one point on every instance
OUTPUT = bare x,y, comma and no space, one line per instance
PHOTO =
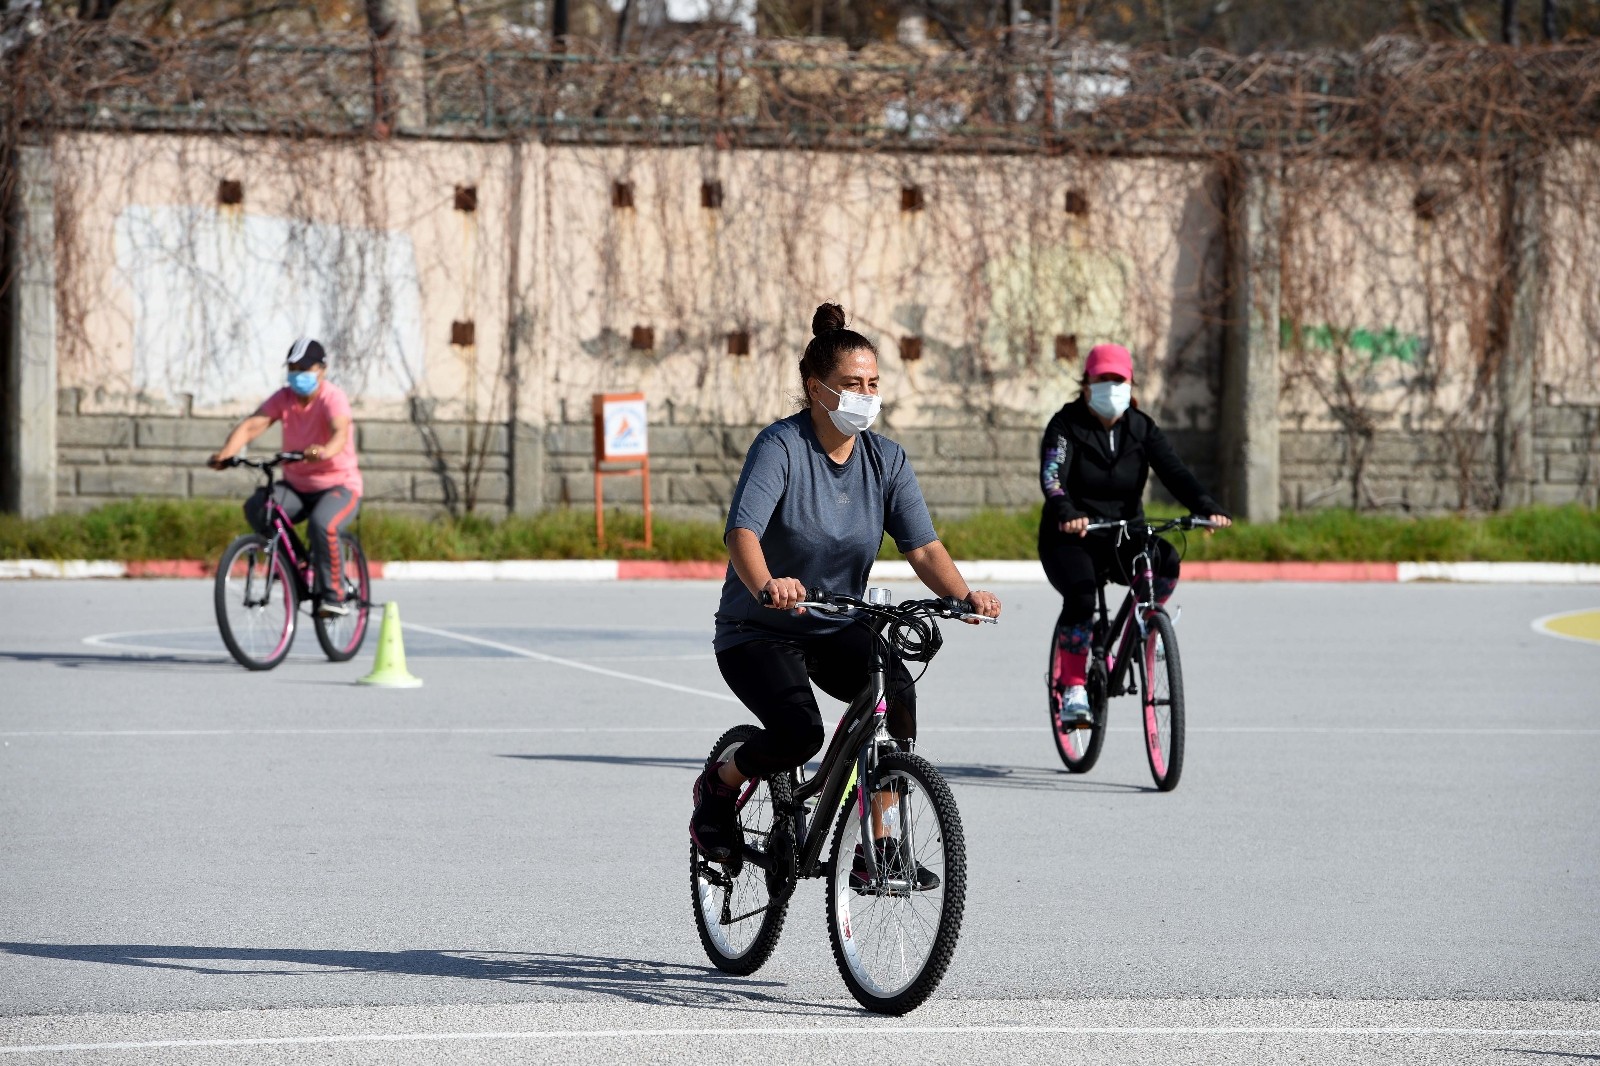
1508,22
399,96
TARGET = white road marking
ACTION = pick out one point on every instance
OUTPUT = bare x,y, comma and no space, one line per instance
488,730
539,656
819,1030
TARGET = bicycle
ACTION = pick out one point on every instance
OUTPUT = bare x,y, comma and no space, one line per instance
892,937
262,581
1144,663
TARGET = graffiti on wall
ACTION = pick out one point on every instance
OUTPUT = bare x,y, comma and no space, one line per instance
217,297
1036,294
1377,345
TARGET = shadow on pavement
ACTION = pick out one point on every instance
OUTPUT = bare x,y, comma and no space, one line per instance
1020,777
81,660
619,760
637,980
1031,777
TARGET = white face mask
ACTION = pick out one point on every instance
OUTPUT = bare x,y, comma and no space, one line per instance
856,411
1109,399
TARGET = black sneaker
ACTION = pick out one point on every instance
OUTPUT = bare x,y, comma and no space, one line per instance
890,863
714,826
327,608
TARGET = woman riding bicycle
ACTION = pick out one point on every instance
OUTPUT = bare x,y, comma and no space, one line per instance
817,493
1094,461
325,487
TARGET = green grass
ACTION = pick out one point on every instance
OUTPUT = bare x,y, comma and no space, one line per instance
200,529
1568,534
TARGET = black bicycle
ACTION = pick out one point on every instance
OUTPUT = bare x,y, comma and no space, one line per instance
262,581
1137,653
897,873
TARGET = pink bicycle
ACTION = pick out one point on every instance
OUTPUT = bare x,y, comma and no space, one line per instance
262,581
1143,662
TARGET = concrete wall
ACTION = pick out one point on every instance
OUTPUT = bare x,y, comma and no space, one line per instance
172,311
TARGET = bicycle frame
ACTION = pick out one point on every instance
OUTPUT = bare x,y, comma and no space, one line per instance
283,534
1129,627
852,751
858,728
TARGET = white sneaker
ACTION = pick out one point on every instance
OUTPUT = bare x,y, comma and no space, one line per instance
1075,708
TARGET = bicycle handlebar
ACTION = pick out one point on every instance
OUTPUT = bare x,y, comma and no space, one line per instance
1188,521
264,464
837,603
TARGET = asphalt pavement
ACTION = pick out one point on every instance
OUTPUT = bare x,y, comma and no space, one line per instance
1385,846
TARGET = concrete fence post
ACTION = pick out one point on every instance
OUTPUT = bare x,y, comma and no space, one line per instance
1520,333
1250,372
28,351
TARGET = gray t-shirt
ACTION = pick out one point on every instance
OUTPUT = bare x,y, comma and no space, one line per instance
818,521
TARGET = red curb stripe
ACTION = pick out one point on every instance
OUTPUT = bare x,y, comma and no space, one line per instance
1234,571
652,570
374,569
169,568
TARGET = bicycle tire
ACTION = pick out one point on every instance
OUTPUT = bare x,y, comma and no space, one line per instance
247,635
1079,749
851,923
749,886
341,637
1161,701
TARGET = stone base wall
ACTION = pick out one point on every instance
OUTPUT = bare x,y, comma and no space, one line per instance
1566,445
1433,472
423,468
407,467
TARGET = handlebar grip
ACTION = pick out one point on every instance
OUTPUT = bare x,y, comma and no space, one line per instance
812,595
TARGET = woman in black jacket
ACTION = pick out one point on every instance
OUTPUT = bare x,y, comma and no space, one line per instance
1094,461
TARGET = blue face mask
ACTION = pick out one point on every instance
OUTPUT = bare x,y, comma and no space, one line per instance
303,382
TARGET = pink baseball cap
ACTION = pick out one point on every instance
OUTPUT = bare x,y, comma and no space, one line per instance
1109,359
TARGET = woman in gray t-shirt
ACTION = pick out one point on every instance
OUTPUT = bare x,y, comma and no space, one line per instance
817,493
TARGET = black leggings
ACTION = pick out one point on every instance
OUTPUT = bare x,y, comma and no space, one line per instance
1078,566
772,677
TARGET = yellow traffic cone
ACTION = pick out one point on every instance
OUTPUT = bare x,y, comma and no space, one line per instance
389,669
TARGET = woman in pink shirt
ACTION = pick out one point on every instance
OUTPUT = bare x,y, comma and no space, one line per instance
325,487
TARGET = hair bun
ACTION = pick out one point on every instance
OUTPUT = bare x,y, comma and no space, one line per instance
828,318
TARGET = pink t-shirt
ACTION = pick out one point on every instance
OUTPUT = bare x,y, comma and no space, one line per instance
313,424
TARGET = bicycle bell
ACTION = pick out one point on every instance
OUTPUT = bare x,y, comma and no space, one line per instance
880,597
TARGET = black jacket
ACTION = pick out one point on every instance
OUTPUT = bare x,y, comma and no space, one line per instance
1082,475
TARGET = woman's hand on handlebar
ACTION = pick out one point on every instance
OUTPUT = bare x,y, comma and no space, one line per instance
985,603
218,461
1219,521
783,593
1079,525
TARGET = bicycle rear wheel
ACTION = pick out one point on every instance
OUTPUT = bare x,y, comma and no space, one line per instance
342,636
891,939
1079,748
255,600
739,907
1161,699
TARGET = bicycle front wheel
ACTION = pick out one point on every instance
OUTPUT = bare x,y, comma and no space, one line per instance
894,934
1161,696
1079,748
341,636
739,907
256,602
